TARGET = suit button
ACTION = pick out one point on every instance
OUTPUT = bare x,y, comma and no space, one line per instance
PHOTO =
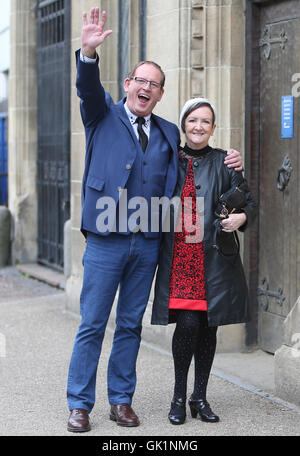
196,164
198,187
128,166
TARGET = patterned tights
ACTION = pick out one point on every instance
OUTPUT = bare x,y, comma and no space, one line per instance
193,337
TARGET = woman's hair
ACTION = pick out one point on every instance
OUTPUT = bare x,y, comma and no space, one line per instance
149,62
193,104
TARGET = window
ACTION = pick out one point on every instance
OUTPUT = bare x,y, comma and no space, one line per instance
52,22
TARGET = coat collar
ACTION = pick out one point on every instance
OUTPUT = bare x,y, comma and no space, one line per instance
132,117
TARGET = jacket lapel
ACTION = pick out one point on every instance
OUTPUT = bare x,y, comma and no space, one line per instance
165,129
171,178
124,119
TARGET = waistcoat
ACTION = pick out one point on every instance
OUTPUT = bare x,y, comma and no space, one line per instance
135,210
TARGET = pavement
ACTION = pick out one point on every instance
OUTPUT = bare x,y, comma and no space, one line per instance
36,339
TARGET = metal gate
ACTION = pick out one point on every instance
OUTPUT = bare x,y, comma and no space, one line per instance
53,181
3,160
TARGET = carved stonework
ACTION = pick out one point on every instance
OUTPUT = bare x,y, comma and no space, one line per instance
197,49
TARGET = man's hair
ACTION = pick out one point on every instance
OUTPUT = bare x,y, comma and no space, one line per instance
149,62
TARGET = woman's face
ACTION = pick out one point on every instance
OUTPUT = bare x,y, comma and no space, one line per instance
199,127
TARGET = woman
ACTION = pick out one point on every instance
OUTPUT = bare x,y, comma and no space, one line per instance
196,286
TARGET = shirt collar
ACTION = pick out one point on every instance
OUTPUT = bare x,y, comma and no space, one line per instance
132,117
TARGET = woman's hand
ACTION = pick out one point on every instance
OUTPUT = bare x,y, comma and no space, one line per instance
233,222
93,34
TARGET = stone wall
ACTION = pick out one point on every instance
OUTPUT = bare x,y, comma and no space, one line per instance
109,75
199,44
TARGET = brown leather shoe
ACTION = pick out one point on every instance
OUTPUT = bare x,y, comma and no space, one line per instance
124,415
79,421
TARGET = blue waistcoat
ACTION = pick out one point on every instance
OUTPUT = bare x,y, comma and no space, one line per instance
136,210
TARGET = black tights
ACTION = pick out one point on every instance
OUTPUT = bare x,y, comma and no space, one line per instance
193,337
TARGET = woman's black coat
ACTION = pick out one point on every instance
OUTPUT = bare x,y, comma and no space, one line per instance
226,288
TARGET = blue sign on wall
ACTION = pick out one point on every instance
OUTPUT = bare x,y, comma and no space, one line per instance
287,117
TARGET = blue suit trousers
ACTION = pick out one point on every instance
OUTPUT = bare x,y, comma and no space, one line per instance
127,261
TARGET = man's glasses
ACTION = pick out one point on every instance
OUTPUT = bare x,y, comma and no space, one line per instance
144,82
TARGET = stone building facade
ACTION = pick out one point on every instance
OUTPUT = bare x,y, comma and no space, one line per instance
205,48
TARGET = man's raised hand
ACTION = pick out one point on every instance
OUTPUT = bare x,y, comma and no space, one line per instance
93,34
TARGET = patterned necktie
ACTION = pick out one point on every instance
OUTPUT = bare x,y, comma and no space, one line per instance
143,138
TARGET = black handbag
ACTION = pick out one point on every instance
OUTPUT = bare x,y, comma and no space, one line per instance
230,202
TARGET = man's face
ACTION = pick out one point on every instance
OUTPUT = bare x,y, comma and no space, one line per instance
142,98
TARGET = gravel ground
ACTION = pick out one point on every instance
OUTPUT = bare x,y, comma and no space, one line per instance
14,285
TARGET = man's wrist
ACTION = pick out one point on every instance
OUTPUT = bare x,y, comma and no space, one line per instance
88,52
86,59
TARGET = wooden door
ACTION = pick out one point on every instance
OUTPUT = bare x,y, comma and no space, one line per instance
278,48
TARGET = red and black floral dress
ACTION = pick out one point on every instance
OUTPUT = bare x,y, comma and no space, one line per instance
187,282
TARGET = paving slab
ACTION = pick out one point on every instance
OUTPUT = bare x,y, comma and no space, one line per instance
37,334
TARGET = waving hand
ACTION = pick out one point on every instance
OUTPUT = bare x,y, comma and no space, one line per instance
93,34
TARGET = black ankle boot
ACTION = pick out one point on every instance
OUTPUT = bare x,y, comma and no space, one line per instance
202,407
177,413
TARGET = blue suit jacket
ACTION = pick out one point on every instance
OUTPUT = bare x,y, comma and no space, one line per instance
111,145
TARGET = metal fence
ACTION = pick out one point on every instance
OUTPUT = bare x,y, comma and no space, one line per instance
53,183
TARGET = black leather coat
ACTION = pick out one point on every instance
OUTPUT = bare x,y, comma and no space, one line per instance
226,288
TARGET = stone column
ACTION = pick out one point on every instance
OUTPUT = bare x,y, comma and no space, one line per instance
109,76
224,68
22,138
200,46
204,58
168,44
287,359
223,85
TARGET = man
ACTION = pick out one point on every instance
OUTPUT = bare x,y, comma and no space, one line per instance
132,153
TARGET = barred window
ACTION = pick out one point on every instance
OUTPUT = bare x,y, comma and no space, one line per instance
51,14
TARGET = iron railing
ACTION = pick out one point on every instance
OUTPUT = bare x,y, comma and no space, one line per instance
53,182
